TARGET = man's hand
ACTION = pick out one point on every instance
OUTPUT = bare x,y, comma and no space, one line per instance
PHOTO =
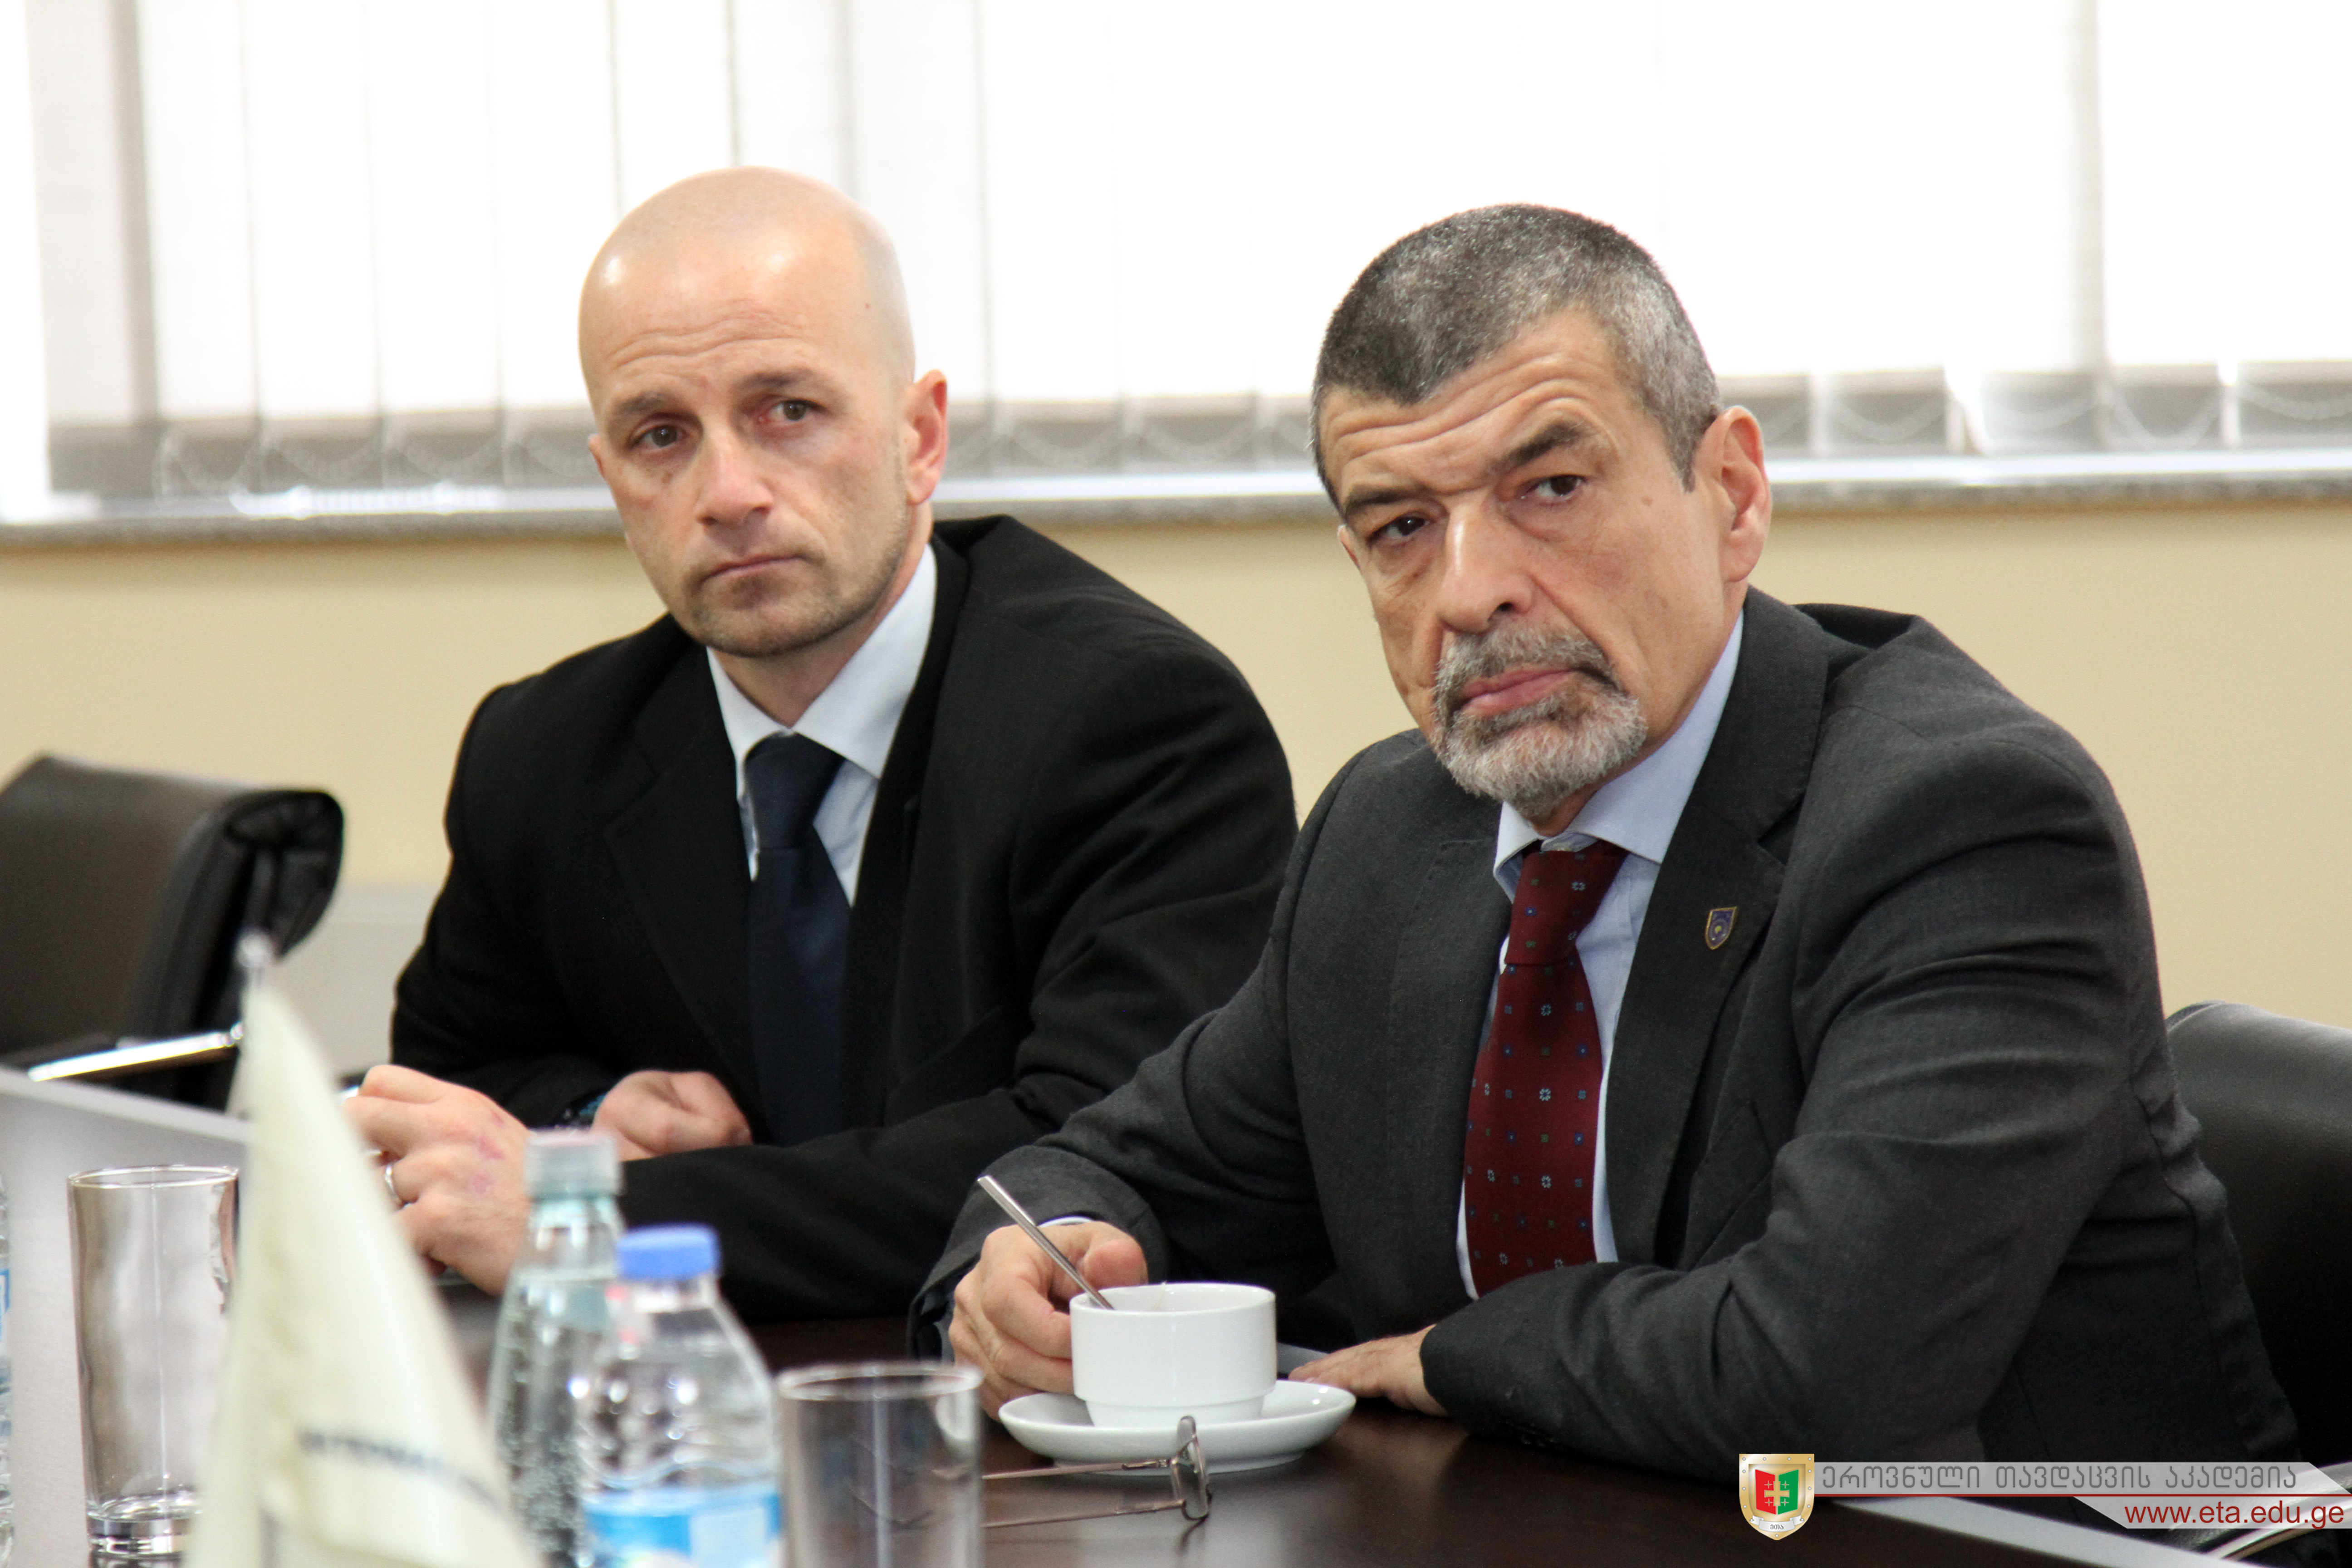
1389,1369
455,1160
650,1113
1009,1320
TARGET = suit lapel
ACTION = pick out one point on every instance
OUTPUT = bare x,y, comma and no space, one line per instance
1686,960
1445,960
876,919
680,850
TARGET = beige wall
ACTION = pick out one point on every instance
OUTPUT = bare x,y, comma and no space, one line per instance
2204,657
2196,651
348,665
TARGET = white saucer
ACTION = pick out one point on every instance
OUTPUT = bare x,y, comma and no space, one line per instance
1298,1416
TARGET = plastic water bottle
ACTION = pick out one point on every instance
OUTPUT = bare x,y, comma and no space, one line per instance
678,1435
8,1487
551,1331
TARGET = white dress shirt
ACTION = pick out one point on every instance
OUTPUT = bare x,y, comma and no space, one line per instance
855,717
1636,811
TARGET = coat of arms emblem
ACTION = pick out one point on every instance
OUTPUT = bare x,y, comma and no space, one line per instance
1718,926
1776,1491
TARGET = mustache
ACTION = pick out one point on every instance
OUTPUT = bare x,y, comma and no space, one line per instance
1483,656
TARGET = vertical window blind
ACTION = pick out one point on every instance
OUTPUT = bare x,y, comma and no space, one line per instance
327,246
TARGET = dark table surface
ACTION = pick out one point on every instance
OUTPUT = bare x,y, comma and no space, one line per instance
1397,1488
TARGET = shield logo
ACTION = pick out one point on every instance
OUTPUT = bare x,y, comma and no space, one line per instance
1776,1491
1718,926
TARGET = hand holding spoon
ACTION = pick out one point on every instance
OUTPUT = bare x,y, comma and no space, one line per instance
1006,1202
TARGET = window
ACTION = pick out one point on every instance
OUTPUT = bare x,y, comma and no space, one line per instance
311,254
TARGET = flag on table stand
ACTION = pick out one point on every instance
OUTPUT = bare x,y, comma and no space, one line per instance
346,1436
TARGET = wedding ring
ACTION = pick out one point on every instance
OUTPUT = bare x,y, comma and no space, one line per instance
392,1187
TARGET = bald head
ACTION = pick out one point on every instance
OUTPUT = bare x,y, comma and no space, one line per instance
736,245
769,446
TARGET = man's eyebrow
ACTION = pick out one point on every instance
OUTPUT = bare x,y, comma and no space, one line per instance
654,401
1560,436
643,403
1365,500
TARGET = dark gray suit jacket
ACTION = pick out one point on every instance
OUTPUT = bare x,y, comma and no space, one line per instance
1896,1170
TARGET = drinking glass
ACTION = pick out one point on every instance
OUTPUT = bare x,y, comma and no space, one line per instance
154,1256
882,1465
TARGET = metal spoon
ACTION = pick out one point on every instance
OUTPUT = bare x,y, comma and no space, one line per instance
1012,1206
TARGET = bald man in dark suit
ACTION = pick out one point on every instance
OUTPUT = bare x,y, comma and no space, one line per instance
891,844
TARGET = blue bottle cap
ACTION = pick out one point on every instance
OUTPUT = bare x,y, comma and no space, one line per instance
668,1252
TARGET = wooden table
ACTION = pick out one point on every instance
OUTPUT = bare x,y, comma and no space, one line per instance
1393,1488
1389,1488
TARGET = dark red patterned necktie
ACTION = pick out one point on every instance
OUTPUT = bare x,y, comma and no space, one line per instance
1535,1095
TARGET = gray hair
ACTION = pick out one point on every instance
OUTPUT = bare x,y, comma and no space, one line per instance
1445,297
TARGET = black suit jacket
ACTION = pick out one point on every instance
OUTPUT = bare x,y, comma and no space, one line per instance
1896,1170
1074,851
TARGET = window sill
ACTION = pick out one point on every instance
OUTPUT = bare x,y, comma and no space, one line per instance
1927,482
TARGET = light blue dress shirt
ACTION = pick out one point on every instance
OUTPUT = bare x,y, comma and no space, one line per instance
1636,811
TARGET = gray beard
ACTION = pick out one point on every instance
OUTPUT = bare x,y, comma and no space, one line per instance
1535,757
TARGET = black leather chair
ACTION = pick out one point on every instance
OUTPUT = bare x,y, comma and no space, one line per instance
122,896
2274,1095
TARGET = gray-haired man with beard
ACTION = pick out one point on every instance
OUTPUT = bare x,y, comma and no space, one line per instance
1723,1027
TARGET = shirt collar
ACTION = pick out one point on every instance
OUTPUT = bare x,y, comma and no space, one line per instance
856,715
1638,809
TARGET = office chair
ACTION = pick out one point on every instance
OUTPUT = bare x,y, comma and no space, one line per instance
2275,1098
122,896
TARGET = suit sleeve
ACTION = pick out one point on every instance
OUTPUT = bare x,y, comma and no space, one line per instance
476,1004
1145,869
1967,1023
1201,1157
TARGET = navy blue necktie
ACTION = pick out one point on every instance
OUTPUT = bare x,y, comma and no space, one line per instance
799,941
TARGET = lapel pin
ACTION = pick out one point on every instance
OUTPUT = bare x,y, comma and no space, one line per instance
1718,926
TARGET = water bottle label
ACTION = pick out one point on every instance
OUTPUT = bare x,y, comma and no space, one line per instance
685,1527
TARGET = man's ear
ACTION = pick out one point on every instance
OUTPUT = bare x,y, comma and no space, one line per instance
927,435
1731,460
597,451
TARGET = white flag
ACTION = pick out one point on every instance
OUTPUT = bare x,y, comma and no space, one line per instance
346,1436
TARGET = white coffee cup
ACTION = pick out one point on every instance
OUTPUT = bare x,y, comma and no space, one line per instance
1169,1350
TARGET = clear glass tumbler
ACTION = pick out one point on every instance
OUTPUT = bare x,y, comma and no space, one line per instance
153,1256
882,1465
